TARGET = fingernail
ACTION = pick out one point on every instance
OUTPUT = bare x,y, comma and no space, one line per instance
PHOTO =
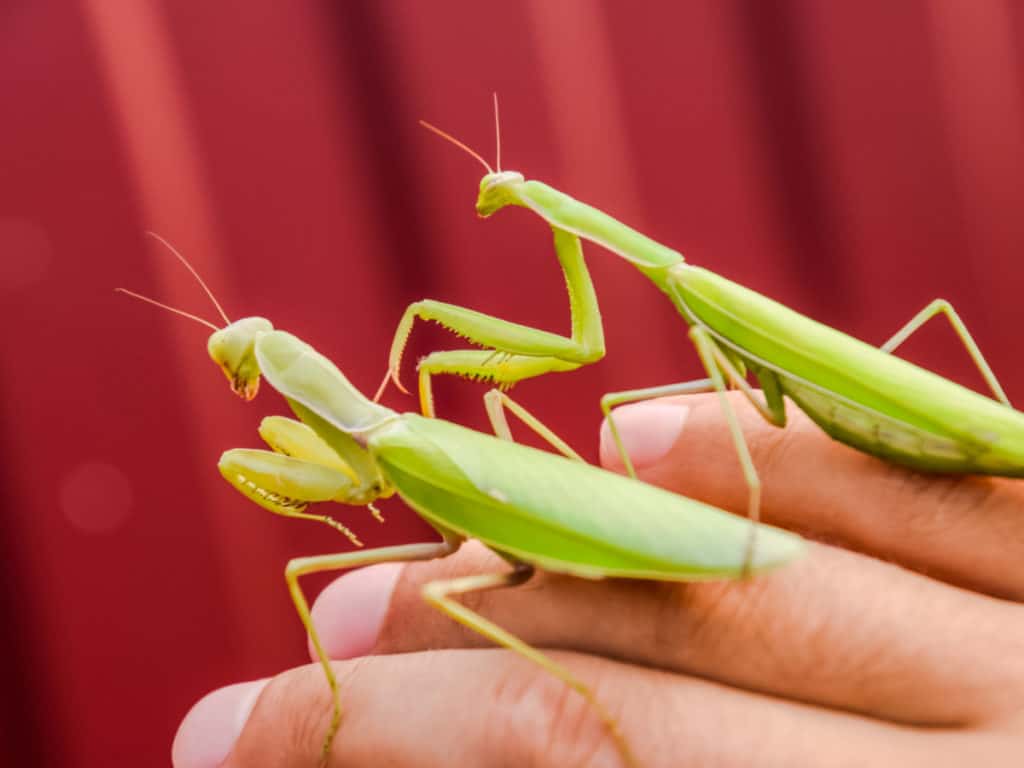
648,432
349,613
210,729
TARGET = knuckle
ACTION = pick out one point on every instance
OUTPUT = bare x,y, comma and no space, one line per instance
772,448
718,622
718,618
298,702
543,722
931,506
697,609
411,624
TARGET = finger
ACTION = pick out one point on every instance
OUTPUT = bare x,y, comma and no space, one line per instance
490,708
835,629
967,530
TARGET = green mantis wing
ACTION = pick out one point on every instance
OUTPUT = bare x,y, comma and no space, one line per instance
814,360
562,515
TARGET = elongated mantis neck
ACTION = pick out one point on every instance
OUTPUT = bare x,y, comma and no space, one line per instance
303,375
585,221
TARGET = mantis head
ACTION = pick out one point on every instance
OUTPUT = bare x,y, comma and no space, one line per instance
233,349
498,190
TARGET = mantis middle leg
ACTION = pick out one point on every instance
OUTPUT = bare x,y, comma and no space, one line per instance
772,409
551,352
437,594
497,402
942,306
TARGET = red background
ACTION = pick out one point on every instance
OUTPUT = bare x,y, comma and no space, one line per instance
853,160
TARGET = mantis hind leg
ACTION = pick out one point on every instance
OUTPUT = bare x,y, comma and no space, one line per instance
944,307
303,566
497,402
437,594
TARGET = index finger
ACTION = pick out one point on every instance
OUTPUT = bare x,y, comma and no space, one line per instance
965,530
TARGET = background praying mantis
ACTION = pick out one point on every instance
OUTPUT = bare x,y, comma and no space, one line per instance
860,395
535,509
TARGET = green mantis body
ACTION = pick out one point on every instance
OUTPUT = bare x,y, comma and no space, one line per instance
860,395
535,509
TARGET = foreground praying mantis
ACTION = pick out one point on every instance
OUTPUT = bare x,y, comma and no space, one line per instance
535,509
860,395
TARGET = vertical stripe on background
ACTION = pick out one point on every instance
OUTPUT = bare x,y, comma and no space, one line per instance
156,127
582,91
979,68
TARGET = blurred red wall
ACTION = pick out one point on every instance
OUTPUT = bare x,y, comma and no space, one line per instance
854,160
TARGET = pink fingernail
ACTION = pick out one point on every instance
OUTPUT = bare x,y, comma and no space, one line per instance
210,729
648,432
349,613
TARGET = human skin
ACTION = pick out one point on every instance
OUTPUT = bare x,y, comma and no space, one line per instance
897,641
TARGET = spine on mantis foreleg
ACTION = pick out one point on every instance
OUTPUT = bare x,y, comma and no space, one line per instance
527,351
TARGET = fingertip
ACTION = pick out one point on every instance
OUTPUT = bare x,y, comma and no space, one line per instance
349,613
208,732
607,452
648,432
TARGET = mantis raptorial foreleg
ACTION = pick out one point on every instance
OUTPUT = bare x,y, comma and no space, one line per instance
287,486
437,594
293,438
303,566
549,352
944,307
303,469
501,369
496,402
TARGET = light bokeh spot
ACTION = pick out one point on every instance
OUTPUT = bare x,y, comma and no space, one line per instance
96,497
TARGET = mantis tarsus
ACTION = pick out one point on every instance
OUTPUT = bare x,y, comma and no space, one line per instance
535,509
859,394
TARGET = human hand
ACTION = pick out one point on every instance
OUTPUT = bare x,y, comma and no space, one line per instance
850,656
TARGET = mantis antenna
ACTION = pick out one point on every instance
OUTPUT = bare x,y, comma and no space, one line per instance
195,274
457,143
448,137
497,131
176,311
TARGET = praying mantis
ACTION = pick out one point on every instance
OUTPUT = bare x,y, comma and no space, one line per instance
534,509
858,394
